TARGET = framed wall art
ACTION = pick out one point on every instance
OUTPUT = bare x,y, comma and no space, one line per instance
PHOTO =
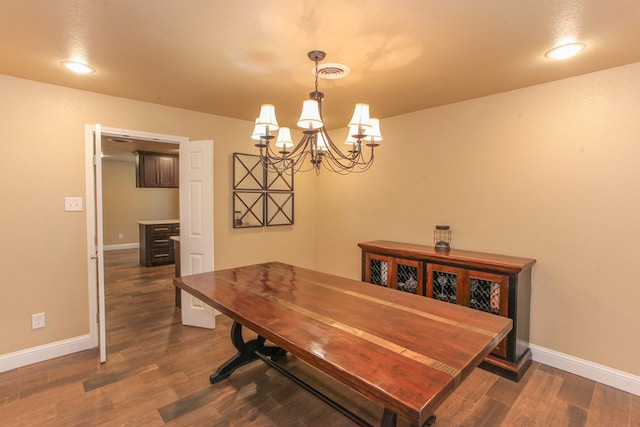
261,196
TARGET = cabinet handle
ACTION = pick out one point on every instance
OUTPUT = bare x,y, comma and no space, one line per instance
161,256
162,229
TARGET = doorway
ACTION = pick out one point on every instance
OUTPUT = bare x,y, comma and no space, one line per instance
94,135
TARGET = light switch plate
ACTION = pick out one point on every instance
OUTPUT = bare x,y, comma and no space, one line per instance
73,204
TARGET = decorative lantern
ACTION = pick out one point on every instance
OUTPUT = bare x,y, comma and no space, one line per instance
442,237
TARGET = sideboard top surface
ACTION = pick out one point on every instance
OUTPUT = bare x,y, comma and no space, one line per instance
479,259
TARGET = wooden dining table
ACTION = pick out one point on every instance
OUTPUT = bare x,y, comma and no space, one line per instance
404,352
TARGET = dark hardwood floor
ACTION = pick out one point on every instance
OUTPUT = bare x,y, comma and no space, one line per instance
157,373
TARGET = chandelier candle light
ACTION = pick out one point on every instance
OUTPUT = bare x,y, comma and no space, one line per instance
316,145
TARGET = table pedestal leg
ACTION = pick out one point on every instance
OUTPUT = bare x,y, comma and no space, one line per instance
389,419
246,353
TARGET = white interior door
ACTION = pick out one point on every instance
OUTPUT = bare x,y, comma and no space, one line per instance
95,237
196,225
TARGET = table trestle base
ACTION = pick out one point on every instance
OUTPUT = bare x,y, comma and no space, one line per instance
246,353
255,349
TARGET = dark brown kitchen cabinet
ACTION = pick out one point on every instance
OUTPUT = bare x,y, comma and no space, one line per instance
157,170
496,284
156,247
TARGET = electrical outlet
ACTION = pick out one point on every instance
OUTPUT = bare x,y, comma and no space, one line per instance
37,320
120,236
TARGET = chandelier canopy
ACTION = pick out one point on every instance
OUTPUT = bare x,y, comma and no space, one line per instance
316,146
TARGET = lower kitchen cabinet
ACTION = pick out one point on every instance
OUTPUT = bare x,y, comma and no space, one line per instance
156,247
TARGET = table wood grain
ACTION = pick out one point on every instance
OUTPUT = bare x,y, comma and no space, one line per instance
404,352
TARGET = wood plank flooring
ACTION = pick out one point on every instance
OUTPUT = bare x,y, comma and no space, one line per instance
157,374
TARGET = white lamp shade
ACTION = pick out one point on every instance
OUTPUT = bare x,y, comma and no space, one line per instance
259,130
268,116
284,138
321,143
373,133
353,130
310,116
361,116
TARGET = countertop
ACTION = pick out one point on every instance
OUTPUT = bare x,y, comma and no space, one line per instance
159,221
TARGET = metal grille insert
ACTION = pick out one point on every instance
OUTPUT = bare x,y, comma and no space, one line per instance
485,295
407,278
445,286
379,272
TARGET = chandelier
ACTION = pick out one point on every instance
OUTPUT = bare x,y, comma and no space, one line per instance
316,148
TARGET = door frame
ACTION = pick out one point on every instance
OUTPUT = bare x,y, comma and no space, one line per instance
94,262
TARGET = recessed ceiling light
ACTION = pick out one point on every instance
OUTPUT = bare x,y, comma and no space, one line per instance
78,67
565,51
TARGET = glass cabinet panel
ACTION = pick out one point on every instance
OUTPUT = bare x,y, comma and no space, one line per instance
379,272
444,286
485,295
407,278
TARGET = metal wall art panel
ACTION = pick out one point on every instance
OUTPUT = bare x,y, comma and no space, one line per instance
248,172
248,209
279,208
261,196
279,181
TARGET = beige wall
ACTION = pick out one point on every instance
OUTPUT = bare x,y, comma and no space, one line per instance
123,203
549,172
43,258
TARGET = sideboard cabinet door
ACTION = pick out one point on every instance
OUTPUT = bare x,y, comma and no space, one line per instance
395,273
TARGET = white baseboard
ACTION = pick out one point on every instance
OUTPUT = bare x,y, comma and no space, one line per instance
584,368
45,352
122,246
602,374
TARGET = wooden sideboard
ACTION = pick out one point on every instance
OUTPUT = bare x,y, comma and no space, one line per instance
497,284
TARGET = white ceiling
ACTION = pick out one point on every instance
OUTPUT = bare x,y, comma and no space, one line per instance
228,57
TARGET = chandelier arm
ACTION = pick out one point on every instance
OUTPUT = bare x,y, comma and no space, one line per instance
291,160
334,147
358,166
355,159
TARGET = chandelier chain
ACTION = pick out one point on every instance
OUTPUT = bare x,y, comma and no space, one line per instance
316,61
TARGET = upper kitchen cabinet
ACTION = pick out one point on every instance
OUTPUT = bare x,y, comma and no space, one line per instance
158,170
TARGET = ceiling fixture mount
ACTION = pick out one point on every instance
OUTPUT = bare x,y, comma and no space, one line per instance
332,71
565,51
78,67
316,145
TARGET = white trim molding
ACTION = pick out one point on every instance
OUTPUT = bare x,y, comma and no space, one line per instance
584,368
121,246
45,352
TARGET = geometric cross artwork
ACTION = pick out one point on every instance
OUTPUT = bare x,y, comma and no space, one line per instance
248,173
279,208
260,197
